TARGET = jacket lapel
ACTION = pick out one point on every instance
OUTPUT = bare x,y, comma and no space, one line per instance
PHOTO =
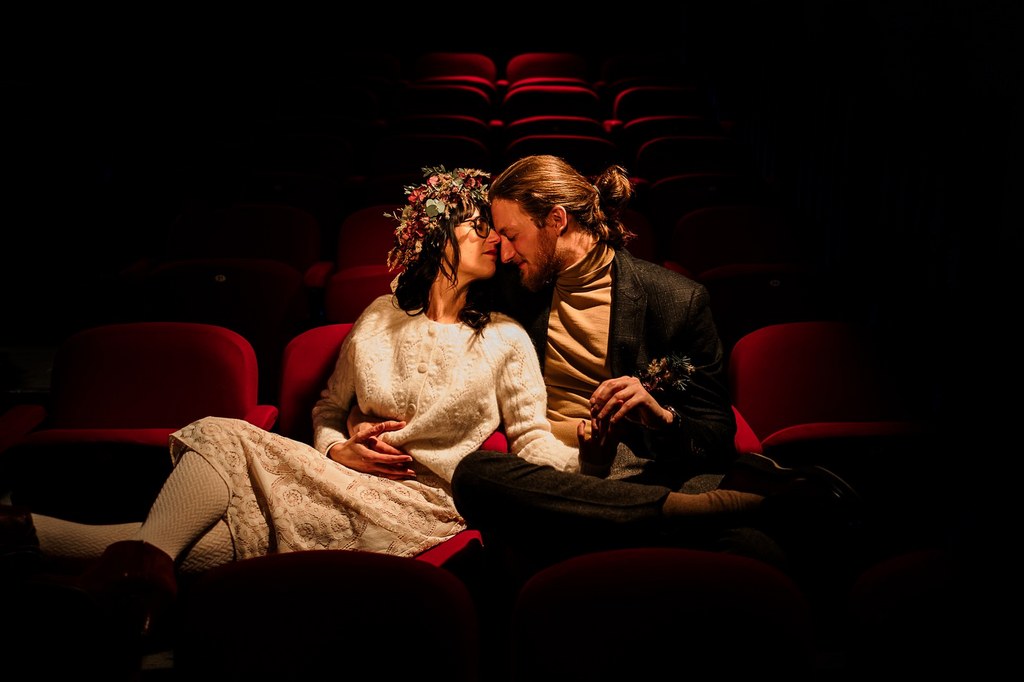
629,305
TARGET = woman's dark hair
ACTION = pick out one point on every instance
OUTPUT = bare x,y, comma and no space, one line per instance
538,183
413,291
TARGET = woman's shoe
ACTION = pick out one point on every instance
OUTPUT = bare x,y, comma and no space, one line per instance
136,583
19,544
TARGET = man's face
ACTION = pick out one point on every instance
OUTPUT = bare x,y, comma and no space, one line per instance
523,244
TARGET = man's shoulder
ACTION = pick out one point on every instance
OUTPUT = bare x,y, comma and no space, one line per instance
653,274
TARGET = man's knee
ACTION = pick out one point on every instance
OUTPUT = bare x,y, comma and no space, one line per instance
469,474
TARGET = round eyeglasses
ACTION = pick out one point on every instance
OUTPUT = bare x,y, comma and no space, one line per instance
481,226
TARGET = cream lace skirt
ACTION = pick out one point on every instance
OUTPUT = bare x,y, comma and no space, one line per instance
286,496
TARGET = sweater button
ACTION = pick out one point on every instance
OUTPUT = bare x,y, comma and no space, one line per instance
422,369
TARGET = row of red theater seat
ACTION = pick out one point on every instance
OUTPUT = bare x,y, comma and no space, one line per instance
129,385
99,451
740,223
649,149
650,609
605,76
260,268
386,122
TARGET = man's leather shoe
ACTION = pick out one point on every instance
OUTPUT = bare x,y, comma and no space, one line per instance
19,544
761,475
821,523
795,494
816,516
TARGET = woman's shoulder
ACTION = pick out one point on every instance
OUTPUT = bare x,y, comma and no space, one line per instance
506,329
377,316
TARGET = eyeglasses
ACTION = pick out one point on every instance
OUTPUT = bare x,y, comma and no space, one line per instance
480,226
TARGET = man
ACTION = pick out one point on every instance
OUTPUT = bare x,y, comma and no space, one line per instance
631,356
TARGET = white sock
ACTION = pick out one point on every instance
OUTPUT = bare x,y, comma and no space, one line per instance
71,540
213,549
193,499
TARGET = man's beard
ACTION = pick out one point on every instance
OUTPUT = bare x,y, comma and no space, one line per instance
546,267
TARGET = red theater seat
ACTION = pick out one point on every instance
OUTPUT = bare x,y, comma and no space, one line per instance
118,391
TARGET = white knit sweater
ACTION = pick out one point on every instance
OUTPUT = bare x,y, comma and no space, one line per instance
453,387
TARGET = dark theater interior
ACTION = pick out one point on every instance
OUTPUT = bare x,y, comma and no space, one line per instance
195,214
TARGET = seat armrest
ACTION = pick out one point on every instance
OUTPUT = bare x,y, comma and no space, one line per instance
317,274
19,421
745,439
263,416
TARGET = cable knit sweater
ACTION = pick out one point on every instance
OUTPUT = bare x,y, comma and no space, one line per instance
454,388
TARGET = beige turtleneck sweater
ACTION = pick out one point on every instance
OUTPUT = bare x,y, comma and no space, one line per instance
576,359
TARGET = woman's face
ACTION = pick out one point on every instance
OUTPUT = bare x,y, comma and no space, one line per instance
478,249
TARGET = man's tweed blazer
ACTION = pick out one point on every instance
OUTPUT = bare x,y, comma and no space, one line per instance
656,312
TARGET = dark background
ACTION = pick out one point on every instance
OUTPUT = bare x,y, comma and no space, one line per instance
893,129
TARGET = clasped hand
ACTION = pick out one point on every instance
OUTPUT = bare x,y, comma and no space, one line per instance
364,451
612,401
626,398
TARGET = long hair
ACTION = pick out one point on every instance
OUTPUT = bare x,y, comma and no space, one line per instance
538,183
413,291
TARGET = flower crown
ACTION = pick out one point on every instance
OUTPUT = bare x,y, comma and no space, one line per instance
428,204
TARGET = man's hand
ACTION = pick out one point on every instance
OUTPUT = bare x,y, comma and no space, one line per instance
598,448
626,398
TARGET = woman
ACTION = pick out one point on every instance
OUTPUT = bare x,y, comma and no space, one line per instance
432,354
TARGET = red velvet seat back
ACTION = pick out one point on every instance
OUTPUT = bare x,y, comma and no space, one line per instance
729,234
117,392
807,372
351,289
310,615
633,614
276,231
660,100
547,67
264,300
308,361
366,235
549,100
589,154
457,68
152,374
666,155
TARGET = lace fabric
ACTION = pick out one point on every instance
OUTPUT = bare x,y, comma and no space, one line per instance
287,496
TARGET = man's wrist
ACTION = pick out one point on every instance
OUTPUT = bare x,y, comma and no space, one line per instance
676,421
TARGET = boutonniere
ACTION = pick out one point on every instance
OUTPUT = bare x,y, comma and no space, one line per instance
671,373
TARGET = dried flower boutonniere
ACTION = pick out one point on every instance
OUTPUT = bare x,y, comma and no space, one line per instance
671,373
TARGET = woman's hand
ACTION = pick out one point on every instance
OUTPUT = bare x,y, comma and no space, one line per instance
626,398
357,417
598,448
365,452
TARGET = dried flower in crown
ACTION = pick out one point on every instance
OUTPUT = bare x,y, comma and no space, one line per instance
667,374
428,204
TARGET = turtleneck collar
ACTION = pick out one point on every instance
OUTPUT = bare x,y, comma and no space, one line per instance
593,267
